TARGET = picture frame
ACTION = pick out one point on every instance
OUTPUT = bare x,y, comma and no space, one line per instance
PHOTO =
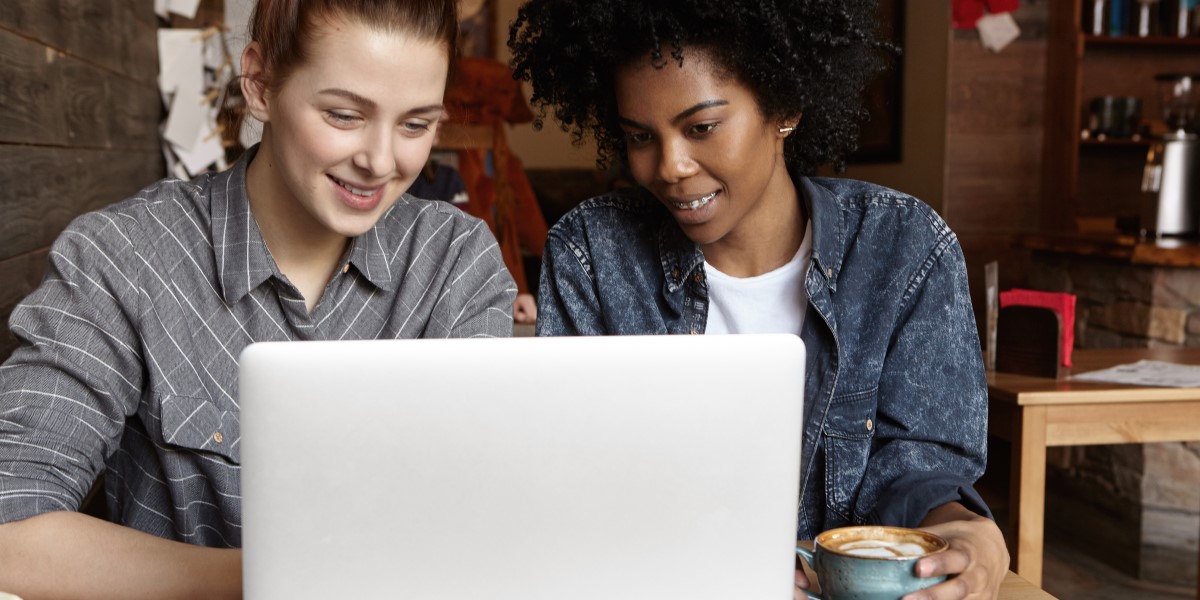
881,137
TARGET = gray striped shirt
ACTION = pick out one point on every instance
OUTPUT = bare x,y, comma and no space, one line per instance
128,361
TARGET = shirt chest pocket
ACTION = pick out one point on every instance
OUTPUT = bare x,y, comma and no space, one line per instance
848,432
198,425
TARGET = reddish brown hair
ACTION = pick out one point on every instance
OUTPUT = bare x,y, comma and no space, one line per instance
285,29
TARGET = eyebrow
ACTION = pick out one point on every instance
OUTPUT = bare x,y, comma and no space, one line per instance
368,103
699,106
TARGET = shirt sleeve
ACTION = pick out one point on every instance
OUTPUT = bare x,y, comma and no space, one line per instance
568,302
480,291
932,453
66,390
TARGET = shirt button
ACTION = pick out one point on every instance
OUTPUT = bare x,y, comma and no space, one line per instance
218,438
870,425
346,268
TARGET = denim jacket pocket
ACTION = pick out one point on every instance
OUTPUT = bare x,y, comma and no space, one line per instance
849,429
197,425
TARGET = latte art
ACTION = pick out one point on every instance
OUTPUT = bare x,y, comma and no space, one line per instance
882,549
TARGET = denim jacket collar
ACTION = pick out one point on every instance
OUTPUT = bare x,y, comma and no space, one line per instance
827,230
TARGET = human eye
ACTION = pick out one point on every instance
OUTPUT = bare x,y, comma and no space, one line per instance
416,127
636,138
341,118
703,129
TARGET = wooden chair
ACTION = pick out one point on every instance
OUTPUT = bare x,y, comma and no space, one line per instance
502,215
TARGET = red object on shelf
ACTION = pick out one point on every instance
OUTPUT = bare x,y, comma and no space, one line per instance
1060,302
967,12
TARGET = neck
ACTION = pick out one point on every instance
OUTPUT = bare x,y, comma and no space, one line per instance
306,252
767,240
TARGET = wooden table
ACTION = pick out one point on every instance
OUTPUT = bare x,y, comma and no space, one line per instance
1015,587
1035,413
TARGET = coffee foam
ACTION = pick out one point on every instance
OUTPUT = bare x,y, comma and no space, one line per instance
882,549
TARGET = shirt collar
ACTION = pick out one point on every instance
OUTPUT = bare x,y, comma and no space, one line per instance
368,254
243,261
827,231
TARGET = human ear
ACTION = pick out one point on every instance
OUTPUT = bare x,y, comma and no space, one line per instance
787,126
254,83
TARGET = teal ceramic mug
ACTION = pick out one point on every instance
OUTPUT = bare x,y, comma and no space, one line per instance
870,562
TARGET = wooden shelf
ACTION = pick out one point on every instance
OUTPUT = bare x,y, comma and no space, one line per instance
1088,178
1116,142
1168,252
1133,40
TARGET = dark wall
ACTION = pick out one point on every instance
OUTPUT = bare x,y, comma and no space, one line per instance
994,132
79,113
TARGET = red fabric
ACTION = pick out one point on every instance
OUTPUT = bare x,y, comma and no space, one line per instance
529,230
1060,302
967,12
483,92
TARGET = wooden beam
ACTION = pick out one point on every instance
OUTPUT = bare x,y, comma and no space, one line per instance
47,187
20,276
116,35
54,99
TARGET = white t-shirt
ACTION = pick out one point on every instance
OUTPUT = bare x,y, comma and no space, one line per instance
773,302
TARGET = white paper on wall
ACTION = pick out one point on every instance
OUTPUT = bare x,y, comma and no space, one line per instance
187,116
180,59
205,151
184,8
997,30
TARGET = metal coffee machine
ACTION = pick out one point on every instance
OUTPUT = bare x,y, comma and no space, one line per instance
1171,181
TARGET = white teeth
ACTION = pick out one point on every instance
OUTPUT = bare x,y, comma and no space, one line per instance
354,190
694,204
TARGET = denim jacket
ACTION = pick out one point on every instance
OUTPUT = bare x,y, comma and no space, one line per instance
895,394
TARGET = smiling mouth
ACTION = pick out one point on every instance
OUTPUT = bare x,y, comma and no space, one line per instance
357,191
694,204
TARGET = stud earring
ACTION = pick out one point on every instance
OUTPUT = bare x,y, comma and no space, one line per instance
786,130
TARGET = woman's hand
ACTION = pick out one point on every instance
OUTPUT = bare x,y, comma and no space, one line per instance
524,309
976,562
802,581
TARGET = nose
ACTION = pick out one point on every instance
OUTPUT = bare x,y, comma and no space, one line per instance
377,155
675,162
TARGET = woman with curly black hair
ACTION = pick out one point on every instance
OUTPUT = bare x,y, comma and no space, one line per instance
722,110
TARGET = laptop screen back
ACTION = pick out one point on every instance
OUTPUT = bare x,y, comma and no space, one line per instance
531,468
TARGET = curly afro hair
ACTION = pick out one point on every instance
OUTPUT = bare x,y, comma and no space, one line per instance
798,57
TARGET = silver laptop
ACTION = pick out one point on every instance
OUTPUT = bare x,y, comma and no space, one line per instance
523,468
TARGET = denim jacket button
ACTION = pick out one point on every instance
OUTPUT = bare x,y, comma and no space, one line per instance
870,425
675,274
830,272
698,277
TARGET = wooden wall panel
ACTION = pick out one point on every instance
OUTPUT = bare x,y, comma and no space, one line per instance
47,187
994,147
79,115
29,92
52,98
18,277
110,33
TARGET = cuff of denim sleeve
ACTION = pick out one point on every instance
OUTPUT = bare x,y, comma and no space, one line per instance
909,499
